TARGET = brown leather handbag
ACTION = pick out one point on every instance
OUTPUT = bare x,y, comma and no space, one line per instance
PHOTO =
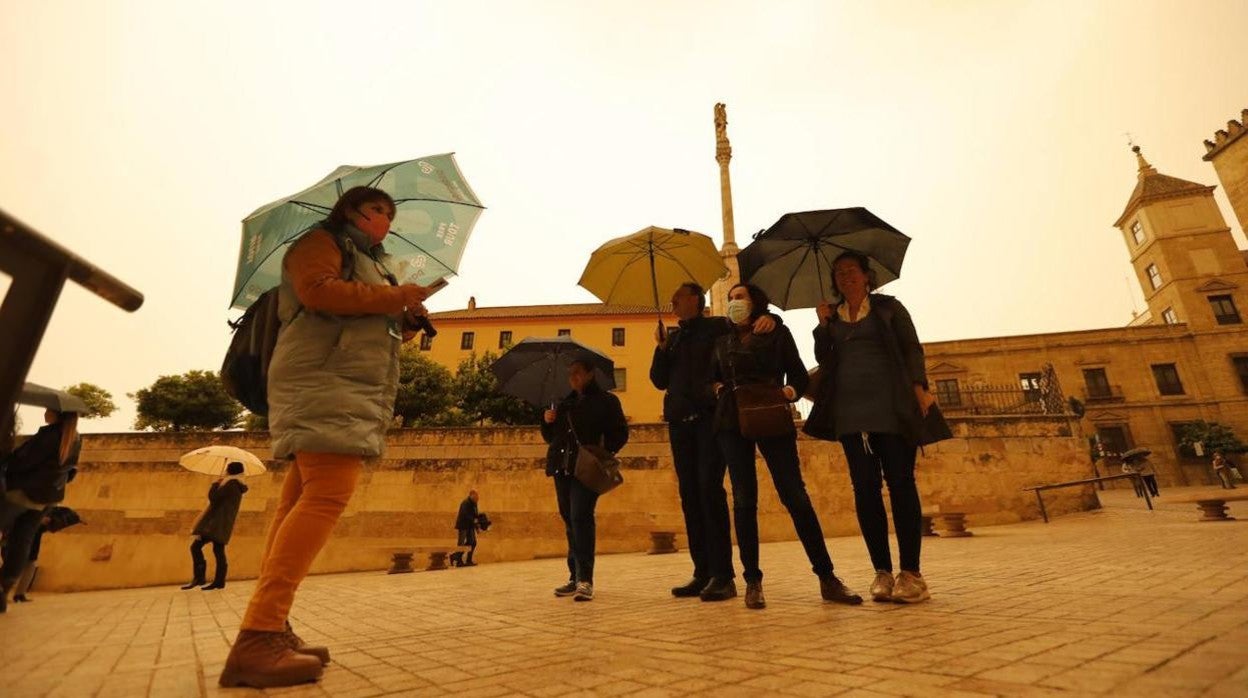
595,467
763,412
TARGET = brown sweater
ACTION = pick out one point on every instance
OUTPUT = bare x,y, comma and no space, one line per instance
315,269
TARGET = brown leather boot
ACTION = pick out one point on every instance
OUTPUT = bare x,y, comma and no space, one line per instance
297,644
265,660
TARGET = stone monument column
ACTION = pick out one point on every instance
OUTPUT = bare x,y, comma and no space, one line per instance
723,154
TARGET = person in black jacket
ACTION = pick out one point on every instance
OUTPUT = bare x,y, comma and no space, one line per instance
216,526
466,525
873,398
588,415
35,475
747,362
682,367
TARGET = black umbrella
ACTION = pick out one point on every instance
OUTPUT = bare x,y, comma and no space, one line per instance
48,398
792,260
536,369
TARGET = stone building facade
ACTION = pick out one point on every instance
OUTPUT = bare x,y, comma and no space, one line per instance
1184,359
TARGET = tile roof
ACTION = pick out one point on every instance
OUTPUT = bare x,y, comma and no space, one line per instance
537,311
1154,186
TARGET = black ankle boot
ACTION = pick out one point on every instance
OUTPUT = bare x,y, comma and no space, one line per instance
719,590
218,579
690,589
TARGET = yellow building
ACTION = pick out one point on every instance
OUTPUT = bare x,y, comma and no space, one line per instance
1185,359
624,333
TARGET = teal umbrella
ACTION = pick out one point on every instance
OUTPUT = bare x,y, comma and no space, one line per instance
436,210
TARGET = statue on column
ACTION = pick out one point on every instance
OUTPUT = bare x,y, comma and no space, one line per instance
721,121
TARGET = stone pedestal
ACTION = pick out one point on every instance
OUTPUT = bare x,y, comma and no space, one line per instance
662,542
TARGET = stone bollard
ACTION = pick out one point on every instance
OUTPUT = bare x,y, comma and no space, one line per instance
927,526
955,525
401,563
437,560
662,542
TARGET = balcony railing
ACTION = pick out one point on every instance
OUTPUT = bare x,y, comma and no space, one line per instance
1001,400
1102,393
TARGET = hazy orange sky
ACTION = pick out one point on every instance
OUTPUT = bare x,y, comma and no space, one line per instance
140,133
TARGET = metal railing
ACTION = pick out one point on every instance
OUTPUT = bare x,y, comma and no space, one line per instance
39,268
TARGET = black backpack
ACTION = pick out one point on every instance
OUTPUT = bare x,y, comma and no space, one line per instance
245,370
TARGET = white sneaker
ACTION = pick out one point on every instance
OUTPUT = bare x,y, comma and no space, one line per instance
584,592
882,587
910,588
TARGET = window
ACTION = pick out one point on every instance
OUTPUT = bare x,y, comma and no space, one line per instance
504,339
1224,310
466,340
565,333
617,336
1154,276
621,380
947,392
1030,383
1114,439
1169,316
426,342
1167,377
1097,383
1137,232
1241,369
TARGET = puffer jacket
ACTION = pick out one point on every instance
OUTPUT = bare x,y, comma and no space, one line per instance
334,375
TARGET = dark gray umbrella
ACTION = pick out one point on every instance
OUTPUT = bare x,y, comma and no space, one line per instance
1136,453
536,369
61,518
792,260
50,399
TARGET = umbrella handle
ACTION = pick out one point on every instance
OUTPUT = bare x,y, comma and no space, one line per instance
662,330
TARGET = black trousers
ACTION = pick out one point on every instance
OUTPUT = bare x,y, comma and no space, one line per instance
700,471
1150,481
780,454
468,537
201,565
576,508
892,457
20,526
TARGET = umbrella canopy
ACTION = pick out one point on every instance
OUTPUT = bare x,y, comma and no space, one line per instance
792,260
1136,453
61,518
536,369
435,212
211,460
50,399
647,266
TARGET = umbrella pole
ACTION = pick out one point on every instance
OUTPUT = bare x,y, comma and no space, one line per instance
654,286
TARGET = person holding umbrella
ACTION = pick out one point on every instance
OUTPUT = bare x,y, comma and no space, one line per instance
873,398
762,375
682,368
215,526
332,383
35,476
587,415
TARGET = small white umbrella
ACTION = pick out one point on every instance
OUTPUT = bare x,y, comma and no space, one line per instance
211,460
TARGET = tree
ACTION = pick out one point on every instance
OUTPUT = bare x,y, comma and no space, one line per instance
477,396
255,422
193,400
425,391
1212,437
99,401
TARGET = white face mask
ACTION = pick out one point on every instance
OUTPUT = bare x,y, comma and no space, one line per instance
739,310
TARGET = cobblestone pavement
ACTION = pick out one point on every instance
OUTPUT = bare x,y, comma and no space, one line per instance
1119,601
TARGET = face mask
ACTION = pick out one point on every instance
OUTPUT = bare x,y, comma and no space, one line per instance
377,226
738,311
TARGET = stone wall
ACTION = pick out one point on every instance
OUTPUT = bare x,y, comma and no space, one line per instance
140,505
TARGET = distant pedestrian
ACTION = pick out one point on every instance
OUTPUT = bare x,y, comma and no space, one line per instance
1224,470
761,376
588,415
216,526
1131,467
466,525
873,398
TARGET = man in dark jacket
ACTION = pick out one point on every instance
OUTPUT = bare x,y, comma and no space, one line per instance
216,526
466,524
682,367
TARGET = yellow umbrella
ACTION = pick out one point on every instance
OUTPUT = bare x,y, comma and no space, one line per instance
647,266
211,460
